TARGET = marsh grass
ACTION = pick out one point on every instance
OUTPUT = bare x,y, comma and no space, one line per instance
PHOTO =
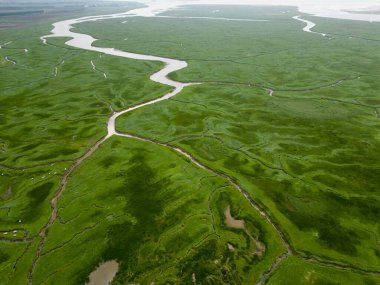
159,218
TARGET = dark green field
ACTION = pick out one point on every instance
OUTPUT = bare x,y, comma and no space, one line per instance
307,155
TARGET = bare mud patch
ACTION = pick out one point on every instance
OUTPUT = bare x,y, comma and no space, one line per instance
231,222
259,247
230,247
104,274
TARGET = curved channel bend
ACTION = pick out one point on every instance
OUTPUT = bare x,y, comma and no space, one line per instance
83,41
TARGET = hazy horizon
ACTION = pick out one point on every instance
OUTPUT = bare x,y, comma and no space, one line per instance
322,8
332,3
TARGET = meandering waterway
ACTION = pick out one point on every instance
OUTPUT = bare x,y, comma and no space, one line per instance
309,26
83,41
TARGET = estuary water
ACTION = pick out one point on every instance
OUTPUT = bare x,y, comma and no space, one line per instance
321,8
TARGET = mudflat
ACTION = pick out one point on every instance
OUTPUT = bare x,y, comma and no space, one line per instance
104,274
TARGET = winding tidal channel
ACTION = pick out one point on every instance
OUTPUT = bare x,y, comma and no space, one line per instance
83,41
309,26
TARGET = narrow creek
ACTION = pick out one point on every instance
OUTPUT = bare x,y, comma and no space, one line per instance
309,26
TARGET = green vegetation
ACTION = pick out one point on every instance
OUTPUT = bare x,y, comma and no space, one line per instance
308,273
288,59
299,177
306,155
160,216
25,199
302,154
62,107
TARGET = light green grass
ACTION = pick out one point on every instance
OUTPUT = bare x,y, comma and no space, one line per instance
308,273
285,153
